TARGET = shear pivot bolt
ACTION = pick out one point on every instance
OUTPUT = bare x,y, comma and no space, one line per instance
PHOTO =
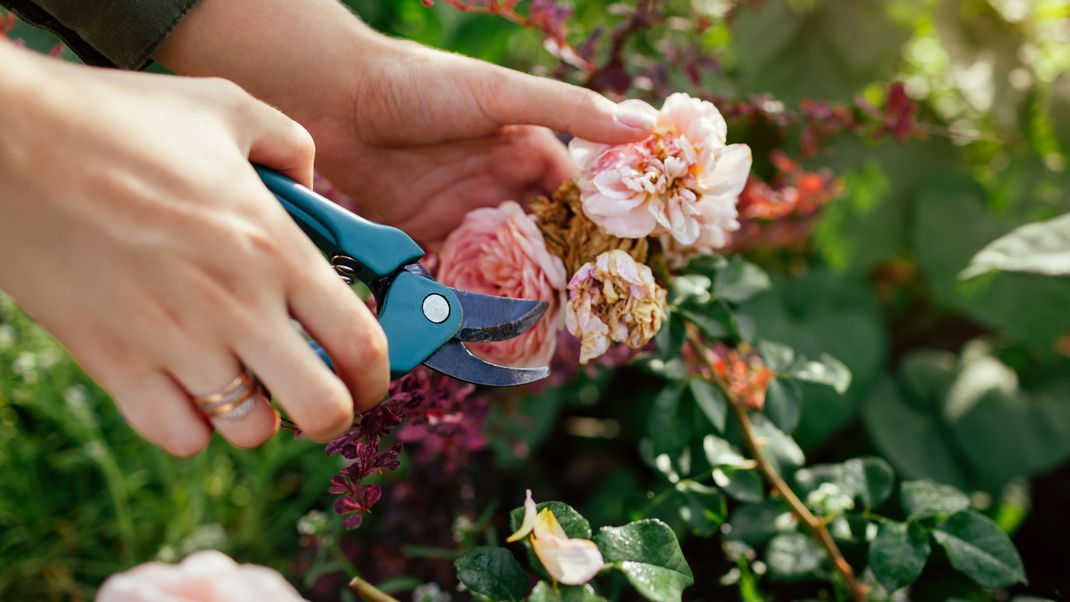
436,308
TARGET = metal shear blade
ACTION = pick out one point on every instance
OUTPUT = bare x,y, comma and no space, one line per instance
488,318
456,360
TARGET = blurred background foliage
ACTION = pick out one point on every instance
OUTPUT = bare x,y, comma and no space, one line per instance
966,383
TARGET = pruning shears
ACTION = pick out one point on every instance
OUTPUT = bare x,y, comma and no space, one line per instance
425,322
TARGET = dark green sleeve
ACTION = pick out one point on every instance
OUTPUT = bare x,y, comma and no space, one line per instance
110,33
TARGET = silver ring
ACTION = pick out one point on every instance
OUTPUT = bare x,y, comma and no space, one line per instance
240,411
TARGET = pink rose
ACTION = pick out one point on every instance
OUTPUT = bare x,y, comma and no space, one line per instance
681,183
202,577
500,251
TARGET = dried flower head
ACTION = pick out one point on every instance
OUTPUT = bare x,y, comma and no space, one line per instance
682,182
613,299
572,236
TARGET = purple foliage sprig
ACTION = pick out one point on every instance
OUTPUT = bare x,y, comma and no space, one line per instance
435,409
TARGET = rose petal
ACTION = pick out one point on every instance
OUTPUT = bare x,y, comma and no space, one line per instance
529,520
730,172
569,561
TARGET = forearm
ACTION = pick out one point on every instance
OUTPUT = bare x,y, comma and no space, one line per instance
298,55
24,96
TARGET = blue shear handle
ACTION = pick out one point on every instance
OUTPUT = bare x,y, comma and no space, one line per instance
381,252
411,337
378,250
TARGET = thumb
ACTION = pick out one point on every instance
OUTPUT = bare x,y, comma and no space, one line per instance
520,98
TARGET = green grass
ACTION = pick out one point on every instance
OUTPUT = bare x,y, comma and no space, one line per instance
82,496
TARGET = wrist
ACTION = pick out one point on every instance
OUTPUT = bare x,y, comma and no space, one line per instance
304,57
15,75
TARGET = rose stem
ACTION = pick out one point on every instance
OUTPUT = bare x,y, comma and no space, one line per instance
798,508
369,592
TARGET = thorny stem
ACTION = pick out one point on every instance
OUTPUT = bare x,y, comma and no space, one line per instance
369,592
817,526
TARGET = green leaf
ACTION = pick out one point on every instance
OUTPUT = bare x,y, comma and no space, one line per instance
777,356
898,554
571,521
825,370
648,553
867,480
711,401
702,508
745,485
910,436
731,471
670,339
952,222
492,572
544,592
793,556
740,280
720,452
1038,248
670,421
781,450
978,548
755,524
1008,423
707,265
691,289
922,499
671,369
783,404
877,476
824,312
714,320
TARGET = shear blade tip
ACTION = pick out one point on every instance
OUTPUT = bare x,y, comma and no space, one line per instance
489,318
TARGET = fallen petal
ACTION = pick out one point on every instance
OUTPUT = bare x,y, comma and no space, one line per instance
529,520
569,561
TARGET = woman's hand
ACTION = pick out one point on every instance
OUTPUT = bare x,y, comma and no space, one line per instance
416,135
134,229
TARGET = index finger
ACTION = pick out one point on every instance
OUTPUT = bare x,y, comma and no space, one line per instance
519,98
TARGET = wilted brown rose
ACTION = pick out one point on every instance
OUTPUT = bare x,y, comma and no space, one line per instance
572,236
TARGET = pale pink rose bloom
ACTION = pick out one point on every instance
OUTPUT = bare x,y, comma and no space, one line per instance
613,299
571,561
500,251
208,576
680,184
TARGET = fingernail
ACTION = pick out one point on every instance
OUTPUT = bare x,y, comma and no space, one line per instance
636,114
